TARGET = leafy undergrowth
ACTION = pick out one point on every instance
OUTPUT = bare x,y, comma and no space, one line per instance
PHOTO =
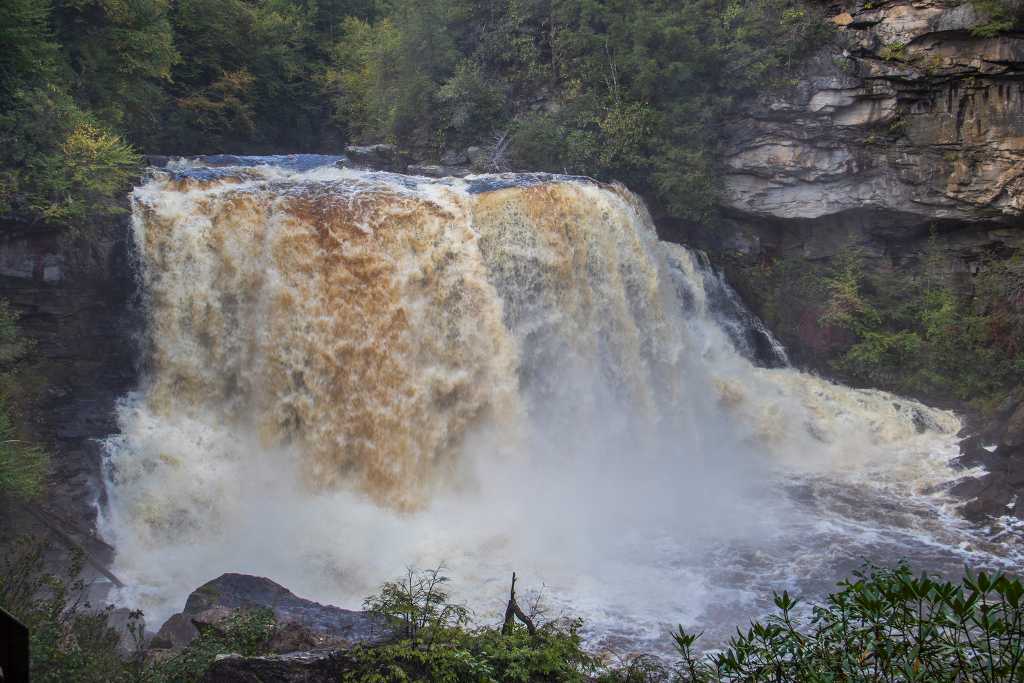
882,624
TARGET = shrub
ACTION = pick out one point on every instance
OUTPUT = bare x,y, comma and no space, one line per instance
472,105
69,641
1001,16
437,646
72,641
883,625
418,604
246,633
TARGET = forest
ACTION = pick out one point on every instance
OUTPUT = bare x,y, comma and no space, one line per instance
607,88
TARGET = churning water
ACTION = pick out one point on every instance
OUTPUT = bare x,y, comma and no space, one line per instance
350,372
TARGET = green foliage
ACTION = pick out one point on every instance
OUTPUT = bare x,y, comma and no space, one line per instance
609,88
918,330
1001,15
554,654
883,625
23,466
72,641
634,91
121,53
246,633
471,104
418,605
395,79
894,52
435,644
69,641
928,338
58,164
29,50
360,84
247,80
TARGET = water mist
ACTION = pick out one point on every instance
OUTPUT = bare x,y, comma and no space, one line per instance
349,372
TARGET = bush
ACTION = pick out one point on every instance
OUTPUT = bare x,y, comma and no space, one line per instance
69,641
246,633
1001,16
436,645
884,625
418,605
927,337
72,641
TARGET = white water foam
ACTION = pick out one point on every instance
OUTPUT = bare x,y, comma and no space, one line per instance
351,372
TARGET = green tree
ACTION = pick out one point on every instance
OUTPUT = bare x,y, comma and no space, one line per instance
121,53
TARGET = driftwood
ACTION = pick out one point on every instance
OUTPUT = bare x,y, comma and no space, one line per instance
513,612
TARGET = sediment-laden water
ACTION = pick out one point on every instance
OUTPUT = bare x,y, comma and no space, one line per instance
348,372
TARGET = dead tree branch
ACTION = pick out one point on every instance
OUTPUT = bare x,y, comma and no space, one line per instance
513,612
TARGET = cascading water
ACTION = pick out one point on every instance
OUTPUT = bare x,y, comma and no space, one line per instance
350,372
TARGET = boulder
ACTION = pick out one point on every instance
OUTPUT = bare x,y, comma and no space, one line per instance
326,622
992,497
478,158
435,171
454,158
176,633
315,666
378,156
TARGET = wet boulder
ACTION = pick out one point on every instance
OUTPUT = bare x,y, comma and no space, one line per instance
176,633
381,156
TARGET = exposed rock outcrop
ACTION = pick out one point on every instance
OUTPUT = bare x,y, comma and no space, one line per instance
74,297
907,117
302,624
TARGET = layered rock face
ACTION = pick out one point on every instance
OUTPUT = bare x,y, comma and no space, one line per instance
73,297
906,125
907,119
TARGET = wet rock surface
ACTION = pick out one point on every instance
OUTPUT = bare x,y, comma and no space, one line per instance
1000,490
308,643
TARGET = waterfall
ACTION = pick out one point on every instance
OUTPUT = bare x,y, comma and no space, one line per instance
351,371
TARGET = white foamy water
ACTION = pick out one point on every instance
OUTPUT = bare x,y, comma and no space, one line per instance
351,372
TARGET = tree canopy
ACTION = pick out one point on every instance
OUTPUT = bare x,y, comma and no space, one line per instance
626,89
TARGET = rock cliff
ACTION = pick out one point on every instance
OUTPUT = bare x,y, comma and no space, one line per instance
74,298
902,139
906,125
908,119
